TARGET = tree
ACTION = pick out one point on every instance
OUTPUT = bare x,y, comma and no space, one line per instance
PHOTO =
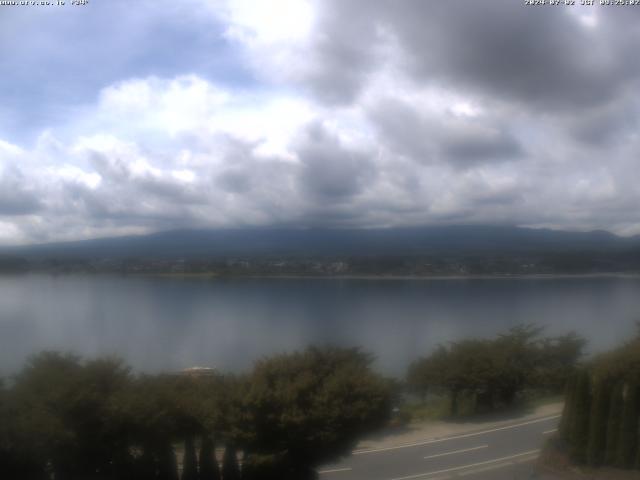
494,372
264,467
518,355
230,468
568,411
613,423
601,420
189,461
64,415
167,464
209,469
158,410
579,433
596,447
431,374
312,406
628,439
557,361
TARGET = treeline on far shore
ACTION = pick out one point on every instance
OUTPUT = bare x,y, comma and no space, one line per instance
64,418
601,421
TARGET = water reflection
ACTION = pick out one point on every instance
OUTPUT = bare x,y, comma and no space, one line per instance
165,323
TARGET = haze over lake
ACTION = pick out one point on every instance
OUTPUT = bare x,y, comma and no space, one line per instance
172,323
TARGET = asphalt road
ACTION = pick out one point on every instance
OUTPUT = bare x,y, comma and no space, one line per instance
505,452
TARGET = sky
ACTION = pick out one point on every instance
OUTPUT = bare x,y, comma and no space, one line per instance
126,117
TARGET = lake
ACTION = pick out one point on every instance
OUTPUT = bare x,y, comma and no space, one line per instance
171,323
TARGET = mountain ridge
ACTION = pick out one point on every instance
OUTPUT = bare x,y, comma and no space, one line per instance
286,241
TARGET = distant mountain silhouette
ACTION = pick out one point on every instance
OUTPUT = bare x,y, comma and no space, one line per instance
464,239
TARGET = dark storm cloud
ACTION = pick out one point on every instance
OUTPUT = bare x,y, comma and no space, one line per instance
234,181
543,57
330,171
404,130
535,56
607,125
125,206
342,57
17,202
470,145
15,196
462,141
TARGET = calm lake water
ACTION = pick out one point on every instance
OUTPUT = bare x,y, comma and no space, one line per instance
168,323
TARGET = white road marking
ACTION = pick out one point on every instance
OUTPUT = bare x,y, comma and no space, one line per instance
455,437
335,470
456,451
547,432
465,467
489,468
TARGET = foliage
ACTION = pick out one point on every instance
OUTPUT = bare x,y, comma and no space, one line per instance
71,419
579,428
313,405
209,469
613,423
230,468
608,432
494,372
628,439
596,447
189,461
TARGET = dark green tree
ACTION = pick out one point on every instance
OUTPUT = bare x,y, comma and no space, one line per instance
64,414
495,372
596,447
613,424
209,469
167,464
189,461
628,439
518,355
568,411
312,406
265,467
230,468
433,374
557,361
579,433
145,466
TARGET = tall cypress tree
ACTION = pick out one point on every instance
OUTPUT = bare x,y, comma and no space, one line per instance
598,424
579,435
209,469
613,423
567,414
190,461
628,439
167,464
230,468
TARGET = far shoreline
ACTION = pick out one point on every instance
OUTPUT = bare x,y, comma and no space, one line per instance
391,277
540,276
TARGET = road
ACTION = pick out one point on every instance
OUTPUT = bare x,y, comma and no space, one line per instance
504,452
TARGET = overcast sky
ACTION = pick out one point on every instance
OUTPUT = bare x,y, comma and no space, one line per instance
135,116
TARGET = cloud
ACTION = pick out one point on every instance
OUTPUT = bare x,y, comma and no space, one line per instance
331,172
308,113
536,57
460,140
15,199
